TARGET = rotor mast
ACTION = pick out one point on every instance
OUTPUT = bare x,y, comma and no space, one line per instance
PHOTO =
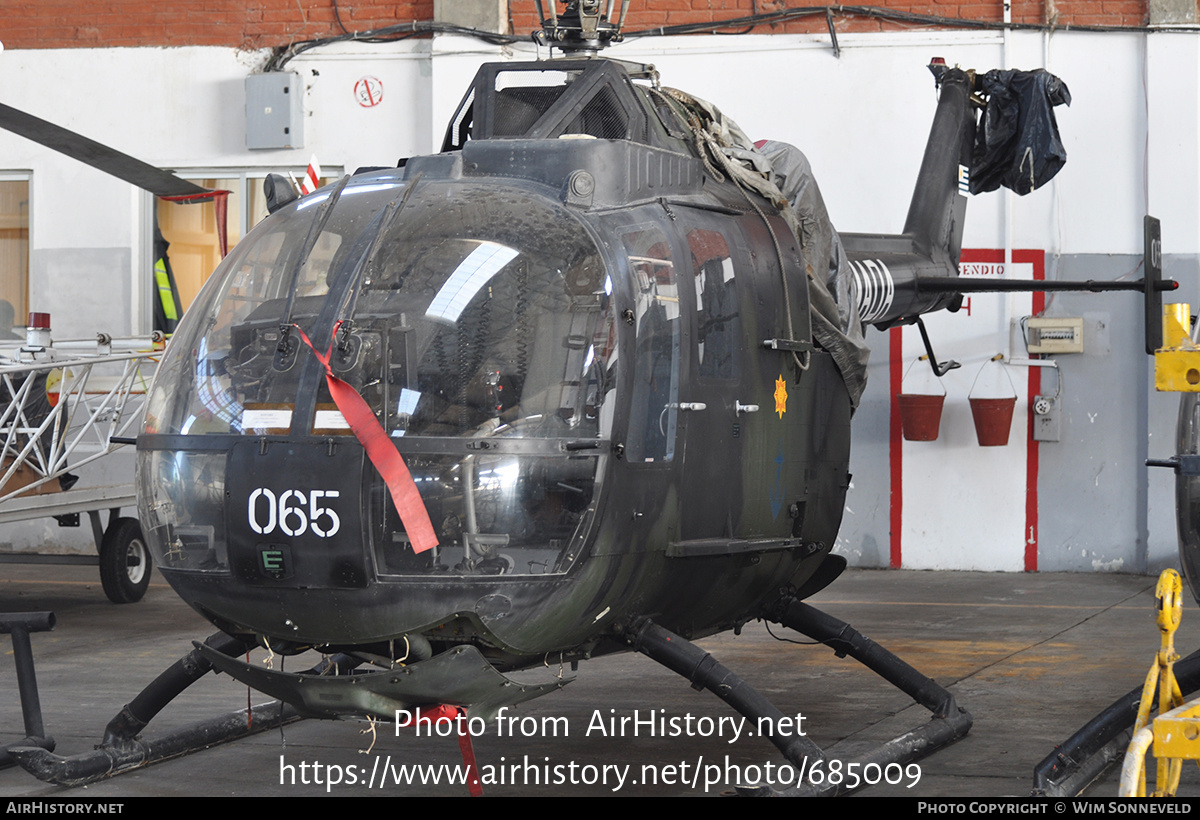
585,26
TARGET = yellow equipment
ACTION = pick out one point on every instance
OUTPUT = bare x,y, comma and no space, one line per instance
1175,733
1177,362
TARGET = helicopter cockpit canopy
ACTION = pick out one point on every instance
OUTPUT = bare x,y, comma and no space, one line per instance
483,314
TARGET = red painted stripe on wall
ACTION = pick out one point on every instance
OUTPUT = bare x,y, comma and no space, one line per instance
1038,259
896,445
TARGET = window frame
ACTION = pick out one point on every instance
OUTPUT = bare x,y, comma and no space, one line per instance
23,175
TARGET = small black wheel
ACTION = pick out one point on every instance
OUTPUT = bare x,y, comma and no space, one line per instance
125,564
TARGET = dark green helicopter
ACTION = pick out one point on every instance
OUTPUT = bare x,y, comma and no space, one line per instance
581,383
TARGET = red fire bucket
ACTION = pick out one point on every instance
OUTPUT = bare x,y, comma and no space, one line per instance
920,416
993,420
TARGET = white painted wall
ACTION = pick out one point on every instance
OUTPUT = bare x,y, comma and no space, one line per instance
963,504
862,118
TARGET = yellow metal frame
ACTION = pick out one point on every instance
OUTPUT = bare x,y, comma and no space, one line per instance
1175,733
1177,362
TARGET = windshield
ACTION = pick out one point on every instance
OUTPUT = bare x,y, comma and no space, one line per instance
475,309
462,310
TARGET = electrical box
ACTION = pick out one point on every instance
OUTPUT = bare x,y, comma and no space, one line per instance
485,15
274,110
1055,335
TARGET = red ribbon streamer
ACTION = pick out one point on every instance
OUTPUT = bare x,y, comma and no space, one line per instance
381,452
447,712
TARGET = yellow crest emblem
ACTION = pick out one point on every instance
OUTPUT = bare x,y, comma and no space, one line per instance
780,396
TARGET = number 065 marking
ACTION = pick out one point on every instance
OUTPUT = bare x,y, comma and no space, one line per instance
293,512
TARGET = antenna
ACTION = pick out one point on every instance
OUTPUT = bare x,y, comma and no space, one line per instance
582,27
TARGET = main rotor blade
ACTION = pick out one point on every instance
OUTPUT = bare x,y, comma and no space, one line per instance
95,154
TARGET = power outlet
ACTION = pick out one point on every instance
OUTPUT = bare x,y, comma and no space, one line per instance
1047,419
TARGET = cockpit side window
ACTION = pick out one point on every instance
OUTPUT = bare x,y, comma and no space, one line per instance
717,322
654,402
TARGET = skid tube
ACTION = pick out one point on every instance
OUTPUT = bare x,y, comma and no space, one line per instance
1086,755
19,625
123,750
949,722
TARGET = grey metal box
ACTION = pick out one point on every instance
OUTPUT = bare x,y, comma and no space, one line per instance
274,110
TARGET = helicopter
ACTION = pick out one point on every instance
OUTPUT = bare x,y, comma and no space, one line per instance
580,383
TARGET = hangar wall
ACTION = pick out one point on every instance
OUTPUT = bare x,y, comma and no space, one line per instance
862,117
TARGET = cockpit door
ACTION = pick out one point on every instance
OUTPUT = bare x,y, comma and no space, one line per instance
710,402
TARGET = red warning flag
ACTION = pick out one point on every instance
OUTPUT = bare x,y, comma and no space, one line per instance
310,182
381,451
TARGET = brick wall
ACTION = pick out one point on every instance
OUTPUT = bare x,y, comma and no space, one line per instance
238,23
682,12
268,23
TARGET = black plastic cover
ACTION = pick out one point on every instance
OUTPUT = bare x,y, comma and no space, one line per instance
1017,143
1187,491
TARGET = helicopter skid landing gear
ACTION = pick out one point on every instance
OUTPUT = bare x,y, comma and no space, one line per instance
949,721
123,750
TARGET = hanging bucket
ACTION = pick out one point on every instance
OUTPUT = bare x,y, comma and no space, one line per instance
993,415
920,416
993,420
920,406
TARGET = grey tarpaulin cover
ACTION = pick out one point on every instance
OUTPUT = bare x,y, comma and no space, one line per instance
835,315
1016,142
781,173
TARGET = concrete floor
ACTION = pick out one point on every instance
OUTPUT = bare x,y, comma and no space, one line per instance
1031,656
